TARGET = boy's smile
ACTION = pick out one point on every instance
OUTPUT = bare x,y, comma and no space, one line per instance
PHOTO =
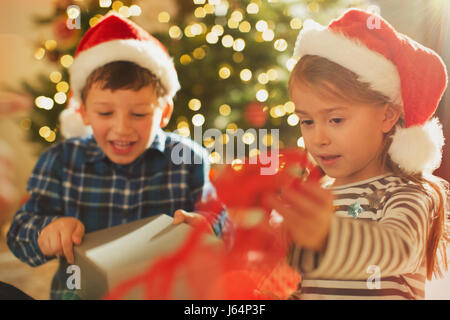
124,121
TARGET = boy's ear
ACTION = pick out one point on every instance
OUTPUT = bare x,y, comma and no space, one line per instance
390,118
167,113
82,110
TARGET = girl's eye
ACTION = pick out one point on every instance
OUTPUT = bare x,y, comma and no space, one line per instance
337,120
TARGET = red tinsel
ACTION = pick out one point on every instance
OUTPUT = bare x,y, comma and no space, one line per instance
253,266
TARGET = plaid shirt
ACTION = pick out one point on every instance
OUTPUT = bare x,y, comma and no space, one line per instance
76,179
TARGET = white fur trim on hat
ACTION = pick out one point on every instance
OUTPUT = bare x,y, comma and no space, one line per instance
146,54
418,148
71,123
371,66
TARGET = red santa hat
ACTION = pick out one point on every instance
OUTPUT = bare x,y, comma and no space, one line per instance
409,74
115,38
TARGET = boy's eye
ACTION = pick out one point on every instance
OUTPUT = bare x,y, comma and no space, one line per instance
306,122
140,115
105,113
337,120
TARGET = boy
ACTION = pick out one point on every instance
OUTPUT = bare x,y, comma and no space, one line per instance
125,82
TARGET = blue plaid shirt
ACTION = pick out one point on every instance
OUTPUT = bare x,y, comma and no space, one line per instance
76,179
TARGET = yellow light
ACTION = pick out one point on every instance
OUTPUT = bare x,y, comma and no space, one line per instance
225,138
214,157
105,3
135,10
289,107
182,124
237,15
227,41
55,76
296,23
60,97
124,11
184,131
50,45
200,12
237,164
263,78
209,8
194,104
262,95
214,2
62,86
199,53
293,120
245,26
175,32
267,140
273,74
185,59
73,12
301,142
198,120
196,29
225,110
116,5
188,32
239,45
232,127
93,21
43,102
253,153
314,7
268,35
246,75
51,137
290,64
39,54
224,72
217,29
212,38
44,132
280,45
199,1
233,24
238,57
261,25
248,138
25,124
252,8
277,111
163,17
208,142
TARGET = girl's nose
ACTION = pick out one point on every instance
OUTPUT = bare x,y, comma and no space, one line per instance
321,137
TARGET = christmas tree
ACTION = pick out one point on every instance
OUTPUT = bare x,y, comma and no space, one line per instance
232,57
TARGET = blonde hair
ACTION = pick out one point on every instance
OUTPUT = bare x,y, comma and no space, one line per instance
331,80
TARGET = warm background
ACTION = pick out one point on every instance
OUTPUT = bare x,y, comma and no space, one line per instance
427,21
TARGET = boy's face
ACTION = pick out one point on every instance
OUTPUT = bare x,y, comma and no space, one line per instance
345,139
124,121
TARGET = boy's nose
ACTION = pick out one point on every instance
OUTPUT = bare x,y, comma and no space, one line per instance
122,124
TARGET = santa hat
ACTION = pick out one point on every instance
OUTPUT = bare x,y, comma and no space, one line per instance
115,38
409,74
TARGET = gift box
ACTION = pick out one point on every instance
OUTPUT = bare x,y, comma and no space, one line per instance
110,256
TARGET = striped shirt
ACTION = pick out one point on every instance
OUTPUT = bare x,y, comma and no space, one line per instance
376,244
76,179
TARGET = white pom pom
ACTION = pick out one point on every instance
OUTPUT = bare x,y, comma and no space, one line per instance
418,149
72,124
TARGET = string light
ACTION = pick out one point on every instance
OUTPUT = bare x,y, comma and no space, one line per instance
199,53
272,74
261,25
194,104
268,35
237,164
296,23
263,78
200,12
214,157
248,138
124,11
293,120
199,1
280,45
73,12
238,57
105,3
245,26
237,15
163,17
39,53
246,75
225,110
175,32
217,29
135,10
233,24
185,59
252,8
232,127
209,8
209,142
254,153
62,86
43,102
224,72
290,64
117,5
262,95
212,38
227,41
289,107
239,45
55,76
60,97
50,45
198,120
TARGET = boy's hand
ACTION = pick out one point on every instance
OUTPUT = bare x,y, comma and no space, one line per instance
58,237
307,215
191,218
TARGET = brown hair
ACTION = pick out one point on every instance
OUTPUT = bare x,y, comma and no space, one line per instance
122,75
330,80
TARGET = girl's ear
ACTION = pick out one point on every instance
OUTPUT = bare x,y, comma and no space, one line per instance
390,117
82,110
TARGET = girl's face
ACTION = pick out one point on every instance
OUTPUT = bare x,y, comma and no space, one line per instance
345,139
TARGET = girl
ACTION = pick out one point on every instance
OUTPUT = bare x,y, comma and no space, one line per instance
365,96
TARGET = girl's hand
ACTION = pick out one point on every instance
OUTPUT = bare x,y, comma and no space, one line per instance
58,237
191,218
307,214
